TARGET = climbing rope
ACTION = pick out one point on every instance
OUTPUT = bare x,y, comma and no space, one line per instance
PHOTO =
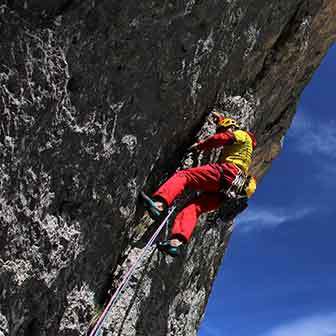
96,330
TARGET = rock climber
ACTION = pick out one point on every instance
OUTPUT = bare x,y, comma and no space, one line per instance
217,181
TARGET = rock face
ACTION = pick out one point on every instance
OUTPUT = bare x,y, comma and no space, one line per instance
100,99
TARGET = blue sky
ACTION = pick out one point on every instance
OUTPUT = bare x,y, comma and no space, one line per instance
278,277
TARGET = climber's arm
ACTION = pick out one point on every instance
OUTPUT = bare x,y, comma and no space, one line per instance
216,140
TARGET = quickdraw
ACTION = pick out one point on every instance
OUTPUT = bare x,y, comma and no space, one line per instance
237,185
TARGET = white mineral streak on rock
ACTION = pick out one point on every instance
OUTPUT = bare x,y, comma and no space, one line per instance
209,43
203,50
3,325
108,138
22,270
7,214
79,301
241,108
194,82
128,211
189,6
67,240
130,141
181,72
252,35
305,29
10,143
133,187
224,59
134,23
125,211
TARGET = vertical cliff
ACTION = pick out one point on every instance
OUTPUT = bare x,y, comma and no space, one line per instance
99,100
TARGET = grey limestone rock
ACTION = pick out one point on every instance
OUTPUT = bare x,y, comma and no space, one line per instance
101,99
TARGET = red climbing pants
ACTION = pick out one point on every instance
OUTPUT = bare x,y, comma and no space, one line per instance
210,179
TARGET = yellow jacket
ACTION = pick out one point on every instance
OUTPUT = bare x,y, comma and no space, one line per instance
240,151
238,147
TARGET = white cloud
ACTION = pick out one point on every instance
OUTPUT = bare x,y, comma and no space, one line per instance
317,325
255,219
313,137
300,124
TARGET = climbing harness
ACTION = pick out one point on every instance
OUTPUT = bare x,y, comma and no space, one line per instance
237,185
97,327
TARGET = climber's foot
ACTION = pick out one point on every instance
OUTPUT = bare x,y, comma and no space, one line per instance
156,209
172,247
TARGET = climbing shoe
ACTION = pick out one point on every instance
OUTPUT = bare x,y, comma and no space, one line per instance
166,248
154,212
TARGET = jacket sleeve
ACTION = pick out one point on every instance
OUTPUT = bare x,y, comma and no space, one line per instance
217,140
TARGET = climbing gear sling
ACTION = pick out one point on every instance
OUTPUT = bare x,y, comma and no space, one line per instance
237,185
97,327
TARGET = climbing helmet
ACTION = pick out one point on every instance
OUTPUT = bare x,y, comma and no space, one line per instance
227,122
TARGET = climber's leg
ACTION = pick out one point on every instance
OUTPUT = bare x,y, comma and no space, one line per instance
186,220
206,178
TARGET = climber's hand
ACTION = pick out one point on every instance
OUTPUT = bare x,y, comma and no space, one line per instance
217,116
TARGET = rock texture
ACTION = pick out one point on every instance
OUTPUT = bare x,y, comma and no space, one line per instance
100,99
